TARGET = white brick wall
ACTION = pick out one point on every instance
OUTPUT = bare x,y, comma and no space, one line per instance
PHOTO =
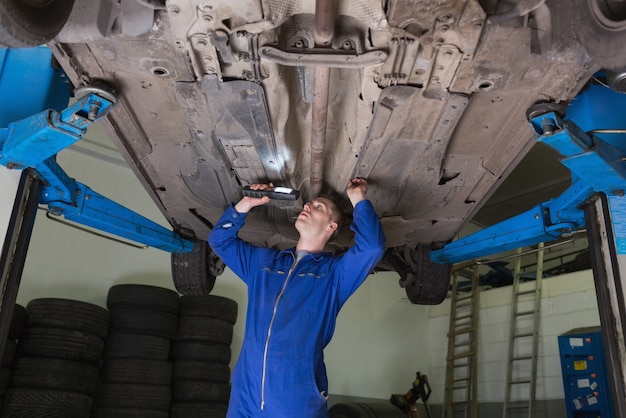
568,302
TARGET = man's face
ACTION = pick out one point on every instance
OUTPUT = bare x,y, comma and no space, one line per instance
315,217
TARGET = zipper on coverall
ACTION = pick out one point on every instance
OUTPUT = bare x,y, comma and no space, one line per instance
269,330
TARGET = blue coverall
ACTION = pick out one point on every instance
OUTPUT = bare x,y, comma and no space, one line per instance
291,315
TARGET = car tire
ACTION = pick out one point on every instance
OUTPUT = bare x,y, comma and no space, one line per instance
147,347
194,272
137,371
61,343
138,296
201,370
198,410
345,410
201,351
201,328
200,391
201,382
129,413
122,395
51,373
24,24
8,357
425,282
45,403
5,376
365,410
602,32
67,314
210,306
144,321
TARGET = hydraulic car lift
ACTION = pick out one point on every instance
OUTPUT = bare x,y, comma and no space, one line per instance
34,127
33,142
596,200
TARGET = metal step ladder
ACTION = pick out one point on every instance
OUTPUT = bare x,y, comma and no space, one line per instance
462,359
521,374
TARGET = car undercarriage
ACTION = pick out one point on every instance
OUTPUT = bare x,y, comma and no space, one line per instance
428,100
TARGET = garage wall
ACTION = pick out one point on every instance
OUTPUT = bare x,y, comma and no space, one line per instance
568,302
380,341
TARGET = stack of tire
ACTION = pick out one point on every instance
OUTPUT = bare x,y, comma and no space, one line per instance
136,369
201,355
366,410
18,321
56,368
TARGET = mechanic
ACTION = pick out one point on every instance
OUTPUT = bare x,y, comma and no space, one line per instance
294,297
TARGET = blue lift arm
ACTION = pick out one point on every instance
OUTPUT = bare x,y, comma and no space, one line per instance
35,141
597,165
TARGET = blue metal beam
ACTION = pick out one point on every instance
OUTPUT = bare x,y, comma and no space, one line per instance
29,84
90,208
543,223
597,164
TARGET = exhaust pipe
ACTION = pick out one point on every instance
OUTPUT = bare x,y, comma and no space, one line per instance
325,13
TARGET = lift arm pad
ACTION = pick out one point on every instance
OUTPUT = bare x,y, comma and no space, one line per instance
28,142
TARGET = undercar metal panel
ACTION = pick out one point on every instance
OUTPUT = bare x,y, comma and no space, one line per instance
435,127
234,125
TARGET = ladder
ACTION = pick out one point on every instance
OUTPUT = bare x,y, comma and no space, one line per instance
521,373
462,358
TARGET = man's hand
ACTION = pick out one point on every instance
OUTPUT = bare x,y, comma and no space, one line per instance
247,202
357,189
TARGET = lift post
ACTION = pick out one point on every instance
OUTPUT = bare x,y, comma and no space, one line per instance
596,200
22,93
607,262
